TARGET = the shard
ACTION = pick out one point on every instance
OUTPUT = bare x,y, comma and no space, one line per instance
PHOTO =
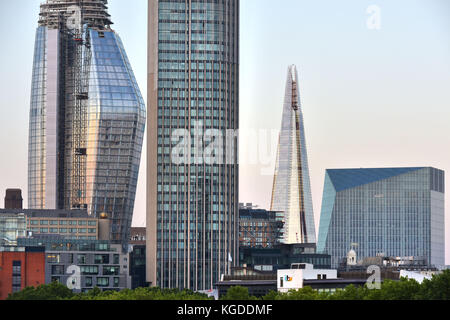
87,116
291,192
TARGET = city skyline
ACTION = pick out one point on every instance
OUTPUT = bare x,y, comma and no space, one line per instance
369,74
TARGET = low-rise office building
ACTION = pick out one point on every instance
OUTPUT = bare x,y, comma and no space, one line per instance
83,264
292,279
282,256
260,283
12,226
71,224
259,228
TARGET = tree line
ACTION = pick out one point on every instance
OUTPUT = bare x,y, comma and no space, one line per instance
437,288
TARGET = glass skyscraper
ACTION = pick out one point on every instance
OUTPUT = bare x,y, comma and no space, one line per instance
193,86
291,193
398,212
87,116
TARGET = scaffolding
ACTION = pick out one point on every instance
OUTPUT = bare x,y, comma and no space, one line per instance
94,12
80,70
75,53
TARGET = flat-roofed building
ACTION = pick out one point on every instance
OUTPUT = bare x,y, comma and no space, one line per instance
20,267
74,224
83,264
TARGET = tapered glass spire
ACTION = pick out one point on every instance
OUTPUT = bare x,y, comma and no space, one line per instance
291,192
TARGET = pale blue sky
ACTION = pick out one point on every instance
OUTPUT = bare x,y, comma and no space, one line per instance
371,98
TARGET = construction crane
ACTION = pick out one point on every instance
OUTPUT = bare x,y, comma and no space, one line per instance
80,71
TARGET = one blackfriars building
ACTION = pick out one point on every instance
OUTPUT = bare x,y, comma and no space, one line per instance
291,193
193,86
87,116
394,212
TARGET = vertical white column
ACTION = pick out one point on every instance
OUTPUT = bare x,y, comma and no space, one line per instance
51,121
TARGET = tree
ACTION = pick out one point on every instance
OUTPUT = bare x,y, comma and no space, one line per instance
53,291
237,293
438,288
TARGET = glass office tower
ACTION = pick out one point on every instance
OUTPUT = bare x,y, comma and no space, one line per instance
398,212
87,116
291,193
193,86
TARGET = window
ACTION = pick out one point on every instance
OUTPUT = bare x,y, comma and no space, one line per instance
88,282
53,258
103,247
17,268
81,259
116,259
53,230
63,223
17,280
102,282
34,222
58,269
101,258
44,230
116,282
111,270
82,222
82,230
92,230
89,270
92,223
73,222
53,222
56,279
44,222
62,230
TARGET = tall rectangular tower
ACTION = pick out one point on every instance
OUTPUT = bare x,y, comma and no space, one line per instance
193,89
87,116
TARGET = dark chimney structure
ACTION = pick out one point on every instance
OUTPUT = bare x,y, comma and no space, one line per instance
13,199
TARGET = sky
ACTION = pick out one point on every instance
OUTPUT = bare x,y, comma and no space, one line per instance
374,85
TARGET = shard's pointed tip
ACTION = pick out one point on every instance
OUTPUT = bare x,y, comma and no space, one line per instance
293,72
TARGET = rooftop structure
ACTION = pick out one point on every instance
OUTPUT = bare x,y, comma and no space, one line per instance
93,12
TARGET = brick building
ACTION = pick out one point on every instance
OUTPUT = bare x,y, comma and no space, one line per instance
20,268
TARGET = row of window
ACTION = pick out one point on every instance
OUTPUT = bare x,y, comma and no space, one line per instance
34,222
100,281
64,230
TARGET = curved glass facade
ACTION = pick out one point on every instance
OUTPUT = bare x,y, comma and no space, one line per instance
113,129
